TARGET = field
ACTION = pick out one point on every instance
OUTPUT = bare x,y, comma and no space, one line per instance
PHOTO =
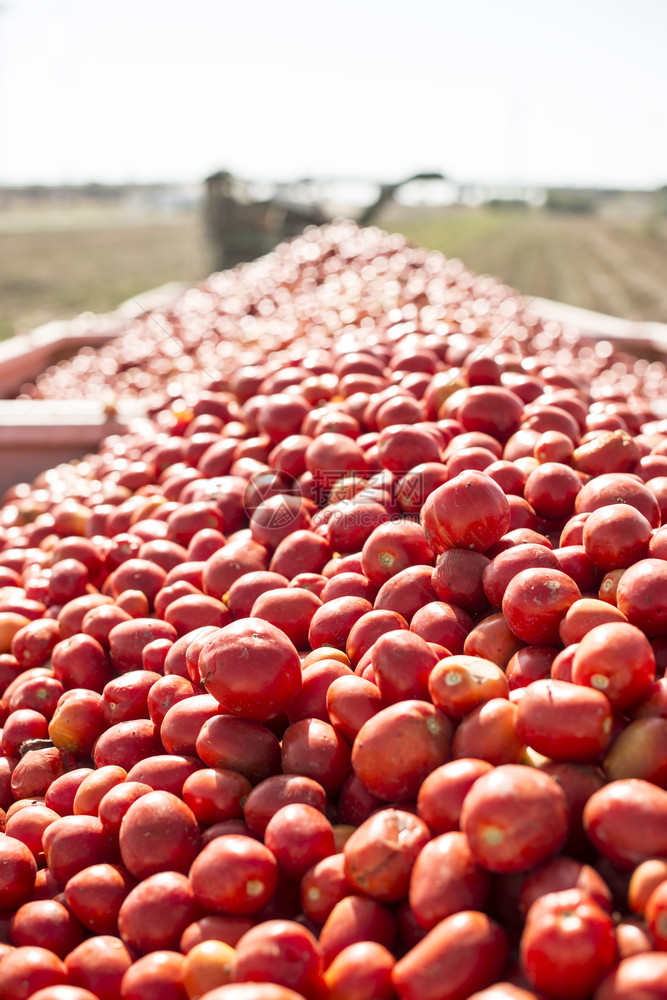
56,264
612,265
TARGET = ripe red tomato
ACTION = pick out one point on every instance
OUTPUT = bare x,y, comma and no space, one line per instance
536,601
568,944
617,659
468,512
564,721
251,668
463,953
514,817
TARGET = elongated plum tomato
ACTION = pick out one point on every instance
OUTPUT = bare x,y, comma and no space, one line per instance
251,668
463,953
564,721
468,512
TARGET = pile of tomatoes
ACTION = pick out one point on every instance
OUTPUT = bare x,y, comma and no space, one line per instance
341,675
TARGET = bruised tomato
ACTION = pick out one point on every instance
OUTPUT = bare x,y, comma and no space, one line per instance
380,854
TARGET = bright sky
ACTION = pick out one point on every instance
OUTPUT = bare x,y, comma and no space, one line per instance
526,91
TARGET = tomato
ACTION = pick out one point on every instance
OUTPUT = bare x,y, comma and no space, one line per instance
282,952
299,835
636,976
158,976
235,875
463,953
642,596
492,639
289,609
402,664
248,748
28,826
158,833
531,663
379,855
514,817
564,721
368,629
568,944
30,968
536,601
491,409
399,746
446,879
251,668
639,751
355,919
505,566
626,821
314,749
489,732
215,794
443,623
76,842
208,965
615,658
443,791
610,451
616,536
551,490
458,684
646,877
352,701
316,680
406,592
17,872
615,488
95,895
324,885
393,547
457,579
362,971
468,512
